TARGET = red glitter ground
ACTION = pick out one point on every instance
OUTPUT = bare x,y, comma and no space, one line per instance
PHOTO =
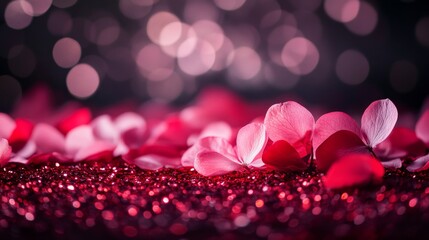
114,200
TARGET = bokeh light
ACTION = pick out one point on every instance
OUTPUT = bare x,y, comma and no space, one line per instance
66,52
300,56
352,67
82,80
18,14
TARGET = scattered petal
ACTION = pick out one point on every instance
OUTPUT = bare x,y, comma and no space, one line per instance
420,164
422,127
78,138
392,164
100,148
281,155
79,117
251,141
210,163
20,135
48,139
5,151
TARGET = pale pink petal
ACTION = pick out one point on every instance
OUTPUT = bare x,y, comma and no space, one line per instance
330,123
78,138
130,120
120,149
354,169
7,125
392,164
258,163
422,127
27,150
104,129
48,139
216,129
289,121
420,164
251,141
210,163
5,151
378,121
18,159
172,131
189,155
97,147
149,162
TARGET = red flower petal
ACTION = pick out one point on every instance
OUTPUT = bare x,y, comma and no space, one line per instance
281,155
5,151
420,164
378,121
422,127
210,163
20,135
79,117
401,142
354,169
336,146
330,123
289,121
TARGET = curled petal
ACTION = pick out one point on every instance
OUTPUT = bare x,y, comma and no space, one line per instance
330,123
288,121
420,164
7,125
210,163
378,121
251,141
336,146
48,139
281,155
77,118
422,127
5,151
354,169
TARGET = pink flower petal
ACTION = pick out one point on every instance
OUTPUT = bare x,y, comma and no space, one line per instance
288,121
20,135
216,129
354,169
189,155
79,138
217,144
210,163
251,141
281,155
392,164
420,164
104,129
5,151
97,150
149,162
172,131
336,146
48,157
130,120
79,117
378,121
7,126
48,139
330,123
422,127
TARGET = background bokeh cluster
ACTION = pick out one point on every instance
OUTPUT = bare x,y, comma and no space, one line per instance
339,53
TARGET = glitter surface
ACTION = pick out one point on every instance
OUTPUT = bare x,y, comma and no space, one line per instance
114,200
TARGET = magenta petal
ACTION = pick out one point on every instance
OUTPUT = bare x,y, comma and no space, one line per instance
98,147
422,127
7,126
48,139
330,123
78,138
336,146
281,155
251,141
210,163
189,155
378,121
216,129
5,151
392,164
130,120
402,142
104,129
20,135
420,164
149,162
288,121
354,169
79,117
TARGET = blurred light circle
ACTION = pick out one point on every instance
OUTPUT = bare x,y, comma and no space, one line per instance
342,10
187,32
39,7
10,92
21,61
82,80
66,52
200,59
300,56
60,23
157,23
170,33
104,31
422,32
244,35
221,60
135,9
365,21
352,67
210,32
64,3
229,5
16,14
403,76
153,63
98,63
277,38
200,10
245,63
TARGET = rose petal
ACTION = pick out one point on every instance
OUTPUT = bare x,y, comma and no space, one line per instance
79,138
189,155
392,164
48,157
210,163
100,148
5,151
149,162
420,164
330,123
281,155
378,121
20,135
7,126
104,129
48,139
79,117
288,121
251,141
336,146
130,120
354,169
422,127
216,129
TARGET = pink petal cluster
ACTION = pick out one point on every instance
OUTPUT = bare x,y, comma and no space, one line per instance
218,134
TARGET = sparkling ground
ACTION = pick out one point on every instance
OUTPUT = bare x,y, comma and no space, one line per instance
114,200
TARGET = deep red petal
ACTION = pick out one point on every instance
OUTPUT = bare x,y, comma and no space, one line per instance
79,117
337,145
422,127
401,142
281,155
20,135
